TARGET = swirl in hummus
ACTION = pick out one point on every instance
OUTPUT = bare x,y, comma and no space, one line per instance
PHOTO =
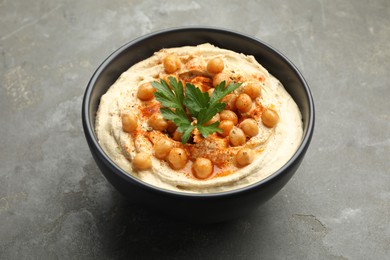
131,129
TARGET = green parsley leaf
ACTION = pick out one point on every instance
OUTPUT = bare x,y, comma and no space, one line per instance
199,104
195,99
205,114
187,133
220,91
166,96
209,129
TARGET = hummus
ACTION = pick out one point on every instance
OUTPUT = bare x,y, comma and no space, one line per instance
272,146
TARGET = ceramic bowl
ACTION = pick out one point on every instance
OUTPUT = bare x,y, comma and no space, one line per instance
204,208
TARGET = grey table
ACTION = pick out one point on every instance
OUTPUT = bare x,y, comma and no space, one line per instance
54,202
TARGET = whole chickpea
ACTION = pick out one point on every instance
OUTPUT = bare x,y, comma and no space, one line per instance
162,148
177,158
226,126
236,137
250,127
230,101
142,161
243,103
245,156
202,168
269,117
218,78
228,115
215,65
146,91
158,122
253,90
171,63
129,122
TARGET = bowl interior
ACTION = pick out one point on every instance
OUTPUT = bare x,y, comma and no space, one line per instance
139,49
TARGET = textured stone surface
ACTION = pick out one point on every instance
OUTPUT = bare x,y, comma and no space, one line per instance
55,204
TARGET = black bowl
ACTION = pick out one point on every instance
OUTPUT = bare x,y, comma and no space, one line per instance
196,207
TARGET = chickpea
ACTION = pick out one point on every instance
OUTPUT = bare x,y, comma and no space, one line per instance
253,90
249,126
210,91
162,148
171,63
142,161
202,168
157,122
245,156
269,117
226,126
146,92
230,101
177,158
215,65
228,115
243,103
129,122
213,119
237,137
218,78
177,136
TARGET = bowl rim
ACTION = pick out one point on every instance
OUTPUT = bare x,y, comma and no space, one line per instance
91,137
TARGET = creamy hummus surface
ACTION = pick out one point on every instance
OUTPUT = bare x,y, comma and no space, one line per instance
271,144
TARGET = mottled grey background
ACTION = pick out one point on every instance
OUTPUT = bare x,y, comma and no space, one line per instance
54,202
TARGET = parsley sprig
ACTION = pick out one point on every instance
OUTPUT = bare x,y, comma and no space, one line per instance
199,104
